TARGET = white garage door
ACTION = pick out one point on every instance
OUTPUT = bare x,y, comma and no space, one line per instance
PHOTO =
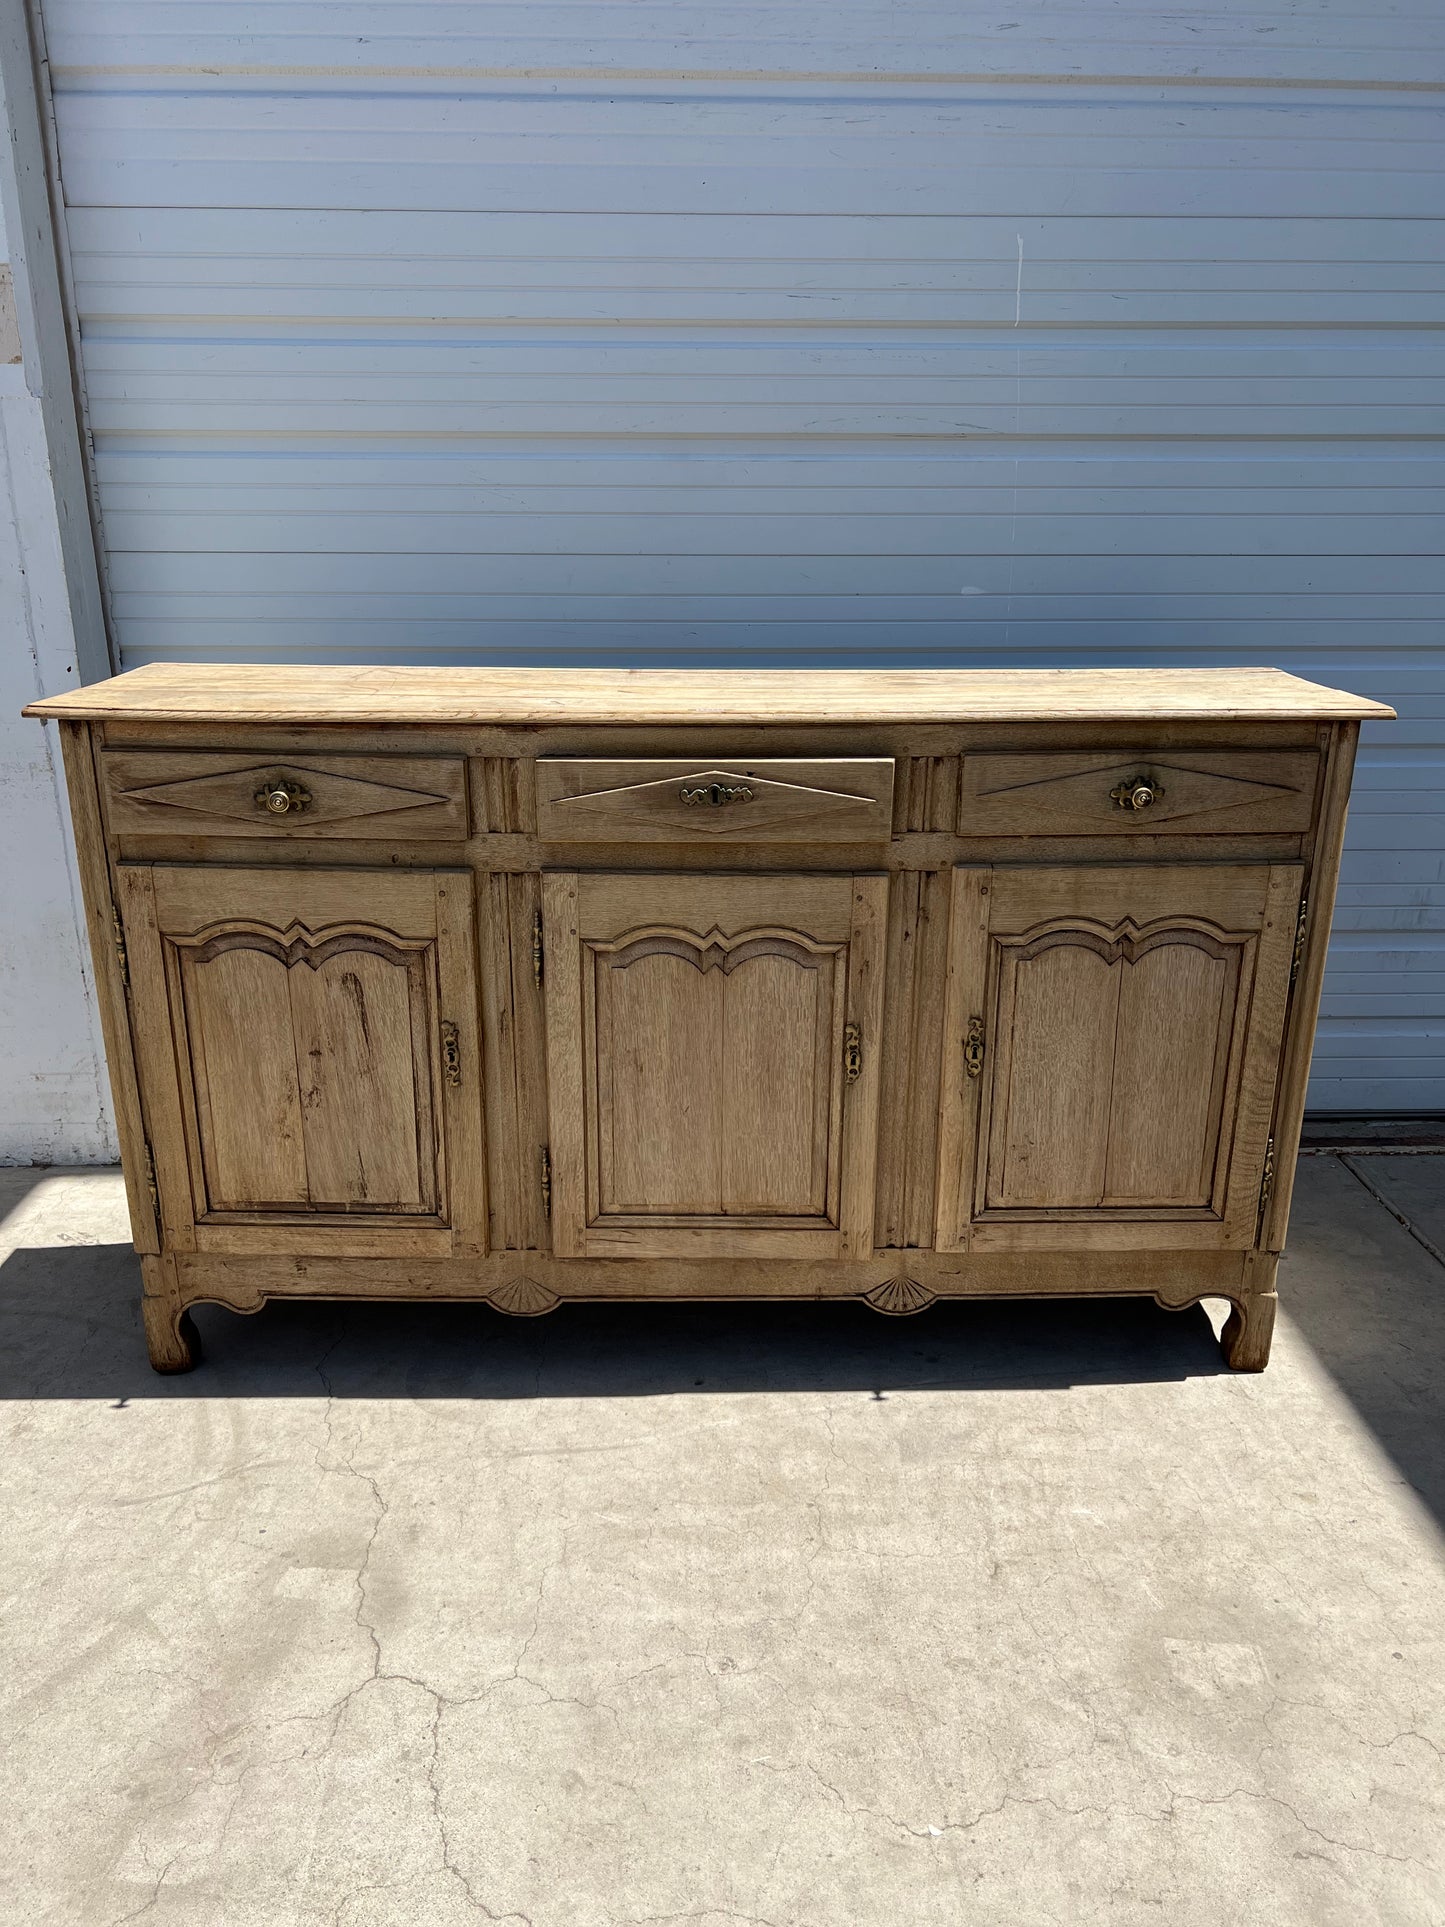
905,330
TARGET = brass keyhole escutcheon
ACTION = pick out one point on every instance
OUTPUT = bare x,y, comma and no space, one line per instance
451,1054
1137,793
852,1052
717,794
973,1047
281,797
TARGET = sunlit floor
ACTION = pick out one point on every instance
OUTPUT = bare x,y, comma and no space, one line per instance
1031,1613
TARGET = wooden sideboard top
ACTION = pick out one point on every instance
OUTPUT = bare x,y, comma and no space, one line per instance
336,693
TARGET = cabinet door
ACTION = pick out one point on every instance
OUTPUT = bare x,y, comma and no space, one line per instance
713,1063
1113,1043
309,1057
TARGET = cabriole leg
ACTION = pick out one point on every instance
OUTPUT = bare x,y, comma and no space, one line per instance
1249,1328
171,1337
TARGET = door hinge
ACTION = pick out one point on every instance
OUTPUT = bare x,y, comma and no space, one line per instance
118,936
973,1047
852,1052
1299,937
537,948
151,1185
546,1164
1266,1183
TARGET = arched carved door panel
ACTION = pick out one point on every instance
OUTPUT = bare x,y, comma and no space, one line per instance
1114,1039
309,1054
713,1052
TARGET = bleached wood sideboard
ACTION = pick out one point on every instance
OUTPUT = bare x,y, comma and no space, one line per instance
541,985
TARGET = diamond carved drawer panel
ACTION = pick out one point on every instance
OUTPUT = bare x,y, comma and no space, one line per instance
1093,793
189,793
752,800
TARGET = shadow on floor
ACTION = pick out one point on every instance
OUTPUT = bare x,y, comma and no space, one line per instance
73,1331
1370,1299
1365,1293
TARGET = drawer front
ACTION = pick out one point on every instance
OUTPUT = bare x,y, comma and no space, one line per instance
845,799
207,793
1179,792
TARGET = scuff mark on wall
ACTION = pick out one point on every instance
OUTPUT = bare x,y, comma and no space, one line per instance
1019,284
9,325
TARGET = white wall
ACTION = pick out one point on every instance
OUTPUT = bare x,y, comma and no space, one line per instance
1098,333
1101,332
54,1100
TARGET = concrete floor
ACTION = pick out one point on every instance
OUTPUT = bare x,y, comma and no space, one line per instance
418,1617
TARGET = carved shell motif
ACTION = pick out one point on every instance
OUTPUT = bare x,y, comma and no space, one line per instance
523,1298
896,1297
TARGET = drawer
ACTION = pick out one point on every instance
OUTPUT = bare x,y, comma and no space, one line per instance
1179,792
208,793
845,799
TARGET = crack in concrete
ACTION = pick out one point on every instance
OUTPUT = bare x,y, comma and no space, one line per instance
1425,1244
1336,1719
354,1893
1406,1733
449,1865
1074,1812
703,1913
154,1901
381,1675
1275,1800
382,1508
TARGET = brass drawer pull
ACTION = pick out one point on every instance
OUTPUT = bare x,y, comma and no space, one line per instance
717,794
280,797
452,1054
1137,793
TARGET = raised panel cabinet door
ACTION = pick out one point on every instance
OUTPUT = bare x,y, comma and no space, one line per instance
713,1063
309,1057
1112,1047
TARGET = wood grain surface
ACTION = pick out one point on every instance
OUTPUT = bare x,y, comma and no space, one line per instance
293,693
